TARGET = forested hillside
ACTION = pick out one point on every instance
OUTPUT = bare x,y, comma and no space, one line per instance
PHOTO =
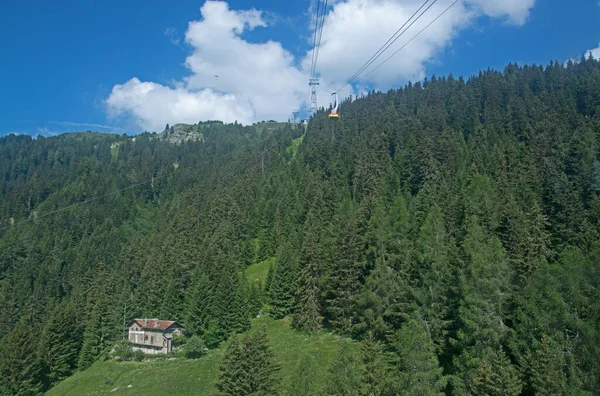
451,227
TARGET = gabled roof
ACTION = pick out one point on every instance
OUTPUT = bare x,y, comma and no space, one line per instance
154,324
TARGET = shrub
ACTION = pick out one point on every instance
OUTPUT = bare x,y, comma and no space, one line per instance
122,351
194,348
138,355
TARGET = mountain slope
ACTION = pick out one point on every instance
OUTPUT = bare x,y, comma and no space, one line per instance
463,215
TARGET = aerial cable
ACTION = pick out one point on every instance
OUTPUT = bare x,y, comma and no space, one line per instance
313,63
389,42
318,48
408,42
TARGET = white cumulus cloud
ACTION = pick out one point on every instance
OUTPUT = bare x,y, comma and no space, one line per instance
595,52
259,81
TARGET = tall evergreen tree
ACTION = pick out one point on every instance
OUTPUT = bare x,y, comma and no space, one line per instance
284,283
199,305
419,372
344,375
60,343
248,367
344,282
376,368
433,288
307,312
20,364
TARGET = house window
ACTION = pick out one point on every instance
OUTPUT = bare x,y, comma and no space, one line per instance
151,339
145,337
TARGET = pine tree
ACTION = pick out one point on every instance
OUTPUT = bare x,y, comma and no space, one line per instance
302,381
376,370
284,283
60,343
496,376
262,367
307,313
171,302
344,376
20,365
248,368
231,301
545,371
486,287
419,372
198,304
344,281
94,340
433,289
229,372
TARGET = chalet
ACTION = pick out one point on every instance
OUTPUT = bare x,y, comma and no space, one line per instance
153,336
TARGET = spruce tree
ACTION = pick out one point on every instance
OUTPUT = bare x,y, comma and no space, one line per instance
284,283
230,370
262,367
307,312
419,372
199,302
376,369
344,375
60,343
496,376
344,282
435,276
248,367
545,368
20,364
302,381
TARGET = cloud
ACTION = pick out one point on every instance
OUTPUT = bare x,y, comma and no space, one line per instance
594,51
350,37
263,80
86,125
255,81
44,131
172,34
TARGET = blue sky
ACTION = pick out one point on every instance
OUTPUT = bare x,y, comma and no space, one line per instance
69,65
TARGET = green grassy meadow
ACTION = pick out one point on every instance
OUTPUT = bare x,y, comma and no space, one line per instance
198,377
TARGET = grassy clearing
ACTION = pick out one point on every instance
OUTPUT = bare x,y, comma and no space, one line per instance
198,377
269,127
293,148
258,272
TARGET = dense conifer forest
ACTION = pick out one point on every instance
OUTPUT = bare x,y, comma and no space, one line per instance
450,227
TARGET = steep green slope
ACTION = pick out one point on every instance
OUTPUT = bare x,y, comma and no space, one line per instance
461,215
198,377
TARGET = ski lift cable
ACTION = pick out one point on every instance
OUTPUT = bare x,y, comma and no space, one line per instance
312,62
408,42
318,48
388,43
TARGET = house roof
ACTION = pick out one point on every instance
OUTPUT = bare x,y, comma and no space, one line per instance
153,324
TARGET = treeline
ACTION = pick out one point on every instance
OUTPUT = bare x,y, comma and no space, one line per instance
451,226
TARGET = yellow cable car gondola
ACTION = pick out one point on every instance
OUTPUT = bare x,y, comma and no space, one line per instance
333,113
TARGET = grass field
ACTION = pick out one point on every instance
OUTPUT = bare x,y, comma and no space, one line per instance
293,148
258,272
198,377
269,127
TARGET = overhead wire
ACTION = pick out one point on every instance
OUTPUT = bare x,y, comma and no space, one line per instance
312,63
409,41
393,38
318,48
